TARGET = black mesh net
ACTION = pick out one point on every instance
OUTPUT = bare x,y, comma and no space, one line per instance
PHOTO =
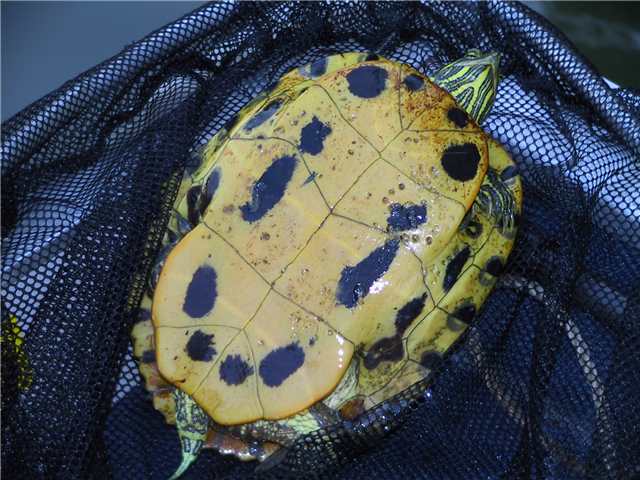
544,385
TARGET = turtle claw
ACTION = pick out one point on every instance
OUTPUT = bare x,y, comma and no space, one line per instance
193,425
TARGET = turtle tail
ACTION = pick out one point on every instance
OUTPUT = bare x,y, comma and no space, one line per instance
193,425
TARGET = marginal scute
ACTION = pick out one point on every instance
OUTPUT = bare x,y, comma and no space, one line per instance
494,266
502,163
477,228
391,349
454,267
201,346
430,359
431,334
143,338
465,313
373,380
209,190
410,373
192,209
313,135
460,303
414,101
263,115
388,349
148,356
318,68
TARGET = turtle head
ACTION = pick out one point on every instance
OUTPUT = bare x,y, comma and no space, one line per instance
472,80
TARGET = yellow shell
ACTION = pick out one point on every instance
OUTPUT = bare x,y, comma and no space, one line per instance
334,222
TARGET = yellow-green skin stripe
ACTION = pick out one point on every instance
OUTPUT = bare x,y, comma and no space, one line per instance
12,339
473,81
193,425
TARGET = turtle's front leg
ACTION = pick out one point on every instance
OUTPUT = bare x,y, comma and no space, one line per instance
193,425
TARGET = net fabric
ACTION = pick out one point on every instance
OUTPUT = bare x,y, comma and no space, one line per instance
545,383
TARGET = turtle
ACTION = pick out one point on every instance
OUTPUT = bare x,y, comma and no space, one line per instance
332,243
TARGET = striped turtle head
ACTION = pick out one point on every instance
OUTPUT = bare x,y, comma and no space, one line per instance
472,80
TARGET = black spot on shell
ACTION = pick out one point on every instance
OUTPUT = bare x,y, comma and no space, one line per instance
367,81
388,349
391,349
201,347
509,173
371,57
454,268
318,68
280,364
234,370
201,292
313,135
210,187
263,115
192,209
465,313
461,162
356,281
494,266
408,313
269,189
413,82
148,356
310,178
406,217
473,229
458,117
431,360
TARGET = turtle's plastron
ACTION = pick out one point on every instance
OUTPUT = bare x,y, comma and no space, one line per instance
334,252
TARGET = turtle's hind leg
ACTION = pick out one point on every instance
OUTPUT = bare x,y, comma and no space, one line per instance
193,425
